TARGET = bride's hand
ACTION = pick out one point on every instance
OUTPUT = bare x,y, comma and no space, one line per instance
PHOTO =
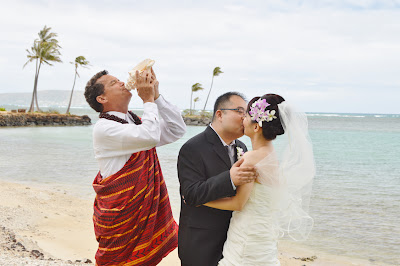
242,174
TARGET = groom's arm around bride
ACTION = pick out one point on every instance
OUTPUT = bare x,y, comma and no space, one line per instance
205,174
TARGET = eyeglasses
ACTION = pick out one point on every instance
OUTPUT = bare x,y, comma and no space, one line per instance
239,110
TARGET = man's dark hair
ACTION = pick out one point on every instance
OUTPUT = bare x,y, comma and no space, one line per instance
94,89
223,99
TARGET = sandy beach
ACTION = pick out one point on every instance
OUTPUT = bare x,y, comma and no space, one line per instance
40,226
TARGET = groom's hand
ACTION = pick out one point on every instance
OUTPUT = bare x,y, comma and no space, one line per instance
242,175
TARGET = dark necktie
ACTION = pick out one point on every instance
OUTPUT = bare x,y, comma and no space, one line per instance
235,153
229,153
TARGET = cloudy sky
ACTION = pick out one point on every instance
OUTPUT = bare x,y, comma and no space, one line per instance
326,56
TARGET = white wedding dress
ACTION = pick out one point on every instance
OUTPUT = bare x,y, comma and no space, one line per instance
253,232
278,205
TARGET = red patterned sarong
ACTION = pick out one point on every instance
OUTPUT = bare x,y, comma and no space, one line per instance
132,218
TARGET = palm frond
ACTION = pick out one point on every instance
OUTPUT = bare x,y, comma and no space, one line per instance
81,60
45,49
217,71
197,87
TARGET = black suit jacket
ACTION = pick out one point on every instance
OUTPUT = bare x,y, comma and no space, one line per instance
203,171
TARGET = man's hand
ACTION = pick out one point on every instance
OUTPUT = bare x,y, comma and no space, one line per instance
145,86
155,81
242,174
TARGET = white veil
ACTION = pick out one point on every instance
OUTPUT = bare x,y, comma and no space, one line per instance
292,175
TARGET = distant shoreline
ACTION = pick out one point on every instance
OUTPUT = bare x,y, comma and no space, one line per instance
62,108
16,119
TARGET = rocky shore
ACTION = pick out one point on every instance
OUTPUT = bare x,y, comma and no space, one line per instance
15,252
16,119
196,120
20,119
30,227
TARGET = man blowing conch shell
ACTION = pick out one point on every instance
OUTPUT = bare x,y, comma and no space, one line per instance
132,217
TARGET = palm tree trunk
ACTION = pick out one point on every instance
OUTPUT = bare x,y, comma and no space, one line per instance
191,96
37,79
36,101
33,97
32,107
72,91
208,95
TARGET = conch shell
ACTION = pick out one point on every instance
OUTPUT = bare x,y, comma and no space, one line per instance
142,66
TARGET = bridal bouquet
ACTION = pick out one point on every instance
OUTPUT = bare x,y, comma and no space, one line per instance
142,66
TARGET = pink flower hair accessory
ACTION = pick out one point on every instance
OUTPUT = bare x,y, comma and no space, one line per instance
259,114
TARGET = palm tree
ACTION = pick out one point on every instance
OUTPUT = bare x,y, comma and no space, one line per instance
79,61
195,101
216,72
44,50
195,87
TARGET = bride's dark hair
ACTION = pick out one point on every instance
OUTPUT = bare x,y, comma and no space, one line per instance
273,128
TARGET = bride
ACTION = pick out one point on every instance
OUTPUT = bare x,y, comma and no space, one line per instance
276,204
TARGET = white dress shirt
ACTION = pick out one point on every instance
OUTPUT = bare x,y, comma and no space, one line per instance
114,143
231,151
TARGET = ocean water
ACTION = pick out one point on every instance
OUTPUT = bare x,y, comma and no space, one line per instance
356,192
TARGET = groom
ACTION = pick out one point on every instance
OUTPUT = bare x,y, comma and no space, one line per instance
207,171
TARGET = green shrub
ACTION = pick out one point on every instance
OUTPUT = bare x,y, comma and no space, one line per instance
2,109
204,114
186,112
197,113
52,111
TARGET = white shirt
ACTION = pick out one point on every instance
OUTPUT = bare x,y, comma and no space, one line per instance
114,142
231,151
